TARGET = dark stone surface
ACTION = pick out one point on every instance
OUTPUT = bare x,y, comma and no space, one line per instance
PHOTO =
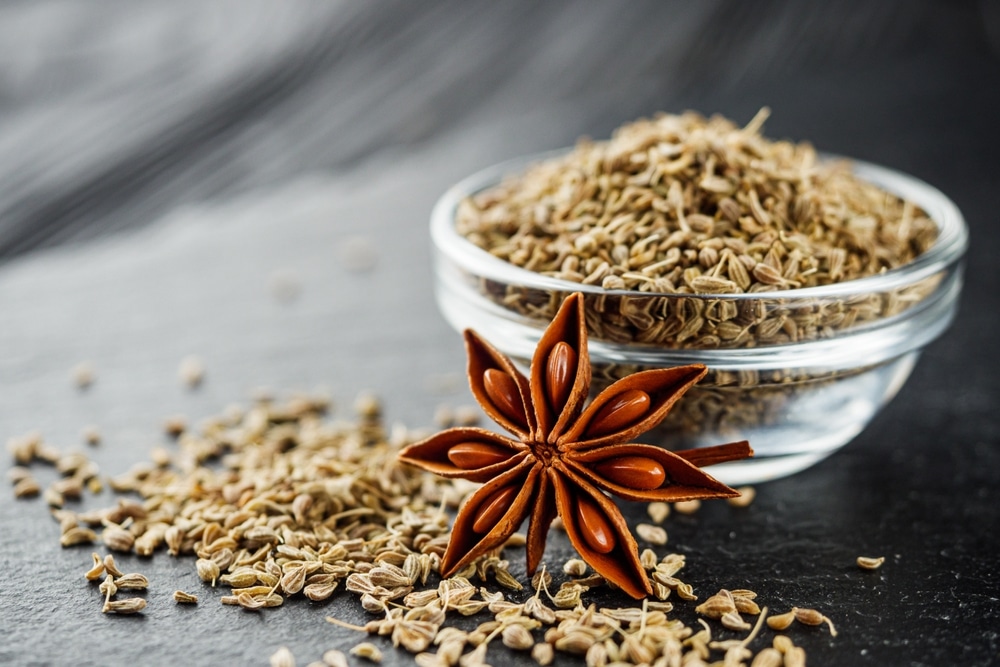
212,146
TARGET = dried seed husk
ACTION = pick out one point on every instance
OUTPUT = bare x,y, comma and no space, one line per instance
181,597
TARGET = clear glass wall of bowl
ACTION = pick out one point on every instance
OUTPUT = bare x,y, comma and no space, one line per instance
798,373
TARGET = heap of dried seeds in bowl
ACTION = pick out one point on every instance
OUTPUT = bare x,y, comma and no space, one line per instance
677,217
688,205
276,502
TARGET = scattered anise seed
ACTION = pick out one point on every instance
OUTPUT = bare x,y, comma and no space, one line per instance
746,497
191,371
367,651
160,457
182,597
126,606
175,426
732,621
658,511
77,535
781,621
574,567
208,570
18,473
517,637
53,498
543,654
282,658
132,581
91,435
367,406
653,534
718,605
648,559
745,605
813,617
111,566
97,571
768,657
261,541
26,487
782,643
795,656
117,539
108,587
867,563
541,579
515,540
83,374
687,506
334,658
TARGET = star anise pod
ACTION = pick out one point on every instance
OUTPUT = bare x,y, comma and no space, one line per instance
565,457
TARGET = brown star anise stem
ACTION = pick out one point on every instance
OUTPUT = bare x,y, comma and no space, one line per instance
566,457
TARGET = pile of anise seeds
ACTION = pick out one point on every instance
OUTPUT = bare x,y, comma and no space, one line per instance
276,502
685,204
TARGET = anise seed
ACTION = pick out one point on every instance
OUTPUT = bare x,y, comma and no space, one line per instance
619,412
474,455
502,390
493,509
560,373
634,472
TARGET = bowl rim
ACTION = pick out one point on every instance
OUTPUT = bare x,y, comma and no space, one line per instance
947,250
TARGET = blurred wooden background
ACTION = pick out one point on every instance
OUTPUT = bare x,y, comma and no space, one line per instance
114,112
162,162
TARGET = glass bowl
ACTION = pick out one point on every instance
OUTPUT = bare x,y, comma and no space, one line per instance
796,372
